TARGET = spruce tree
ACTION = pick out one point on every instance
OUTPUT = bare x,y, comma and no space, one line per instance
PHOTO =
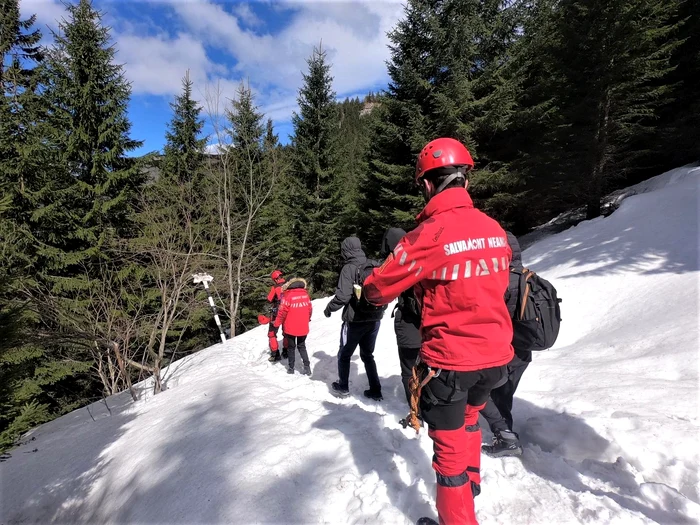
28,372
679,123
315,213
350,147
447,65
184,145
606,66
84,204
21,110
89,97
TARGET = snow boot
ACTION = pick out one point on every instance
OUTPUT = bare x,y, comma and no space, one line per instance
274,357
426,521
405,421
339,390
376,396
290,370
505,443
285,353
307,370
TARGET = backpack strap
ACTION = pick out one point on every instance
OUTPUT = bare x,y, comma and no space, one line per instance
526,291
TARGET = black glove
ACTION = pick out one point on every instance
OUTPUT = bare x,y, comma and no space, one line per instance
327,312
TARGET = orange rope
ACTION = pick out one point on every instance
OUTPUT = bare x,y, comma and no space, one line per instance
415,386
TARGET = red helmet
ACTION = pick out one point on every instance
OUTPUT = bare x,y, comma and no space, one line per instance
440,153
276,275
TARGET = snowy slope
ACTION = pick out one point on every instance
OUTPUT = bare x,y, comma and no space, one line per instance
609,417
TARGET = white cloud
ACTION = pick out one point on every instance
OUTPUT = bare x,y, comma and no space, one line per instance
245,13
155,65
48,12
353,35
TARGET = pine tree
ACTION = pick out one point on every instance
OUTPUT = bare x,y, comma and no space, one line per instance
350,147
606,65
315,214
89,97
21,110
679,123
27,371
184,145
447,65
86,194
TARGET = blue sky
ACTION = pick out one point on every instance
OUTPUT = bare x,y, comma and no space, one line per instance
222,43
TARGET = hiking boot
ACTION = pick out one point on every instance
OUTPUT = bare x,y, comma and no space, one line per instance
505,443
290,370
307,370
274,357
405,421
340,390
285,353
376,396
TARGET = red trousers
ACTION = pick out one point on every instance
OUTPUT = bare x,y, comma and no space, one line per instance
450,405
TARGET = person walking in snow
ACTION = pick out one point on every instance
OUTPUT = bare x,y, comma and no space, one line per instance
294,316
274,297
456,261
406,316
497,411
359,327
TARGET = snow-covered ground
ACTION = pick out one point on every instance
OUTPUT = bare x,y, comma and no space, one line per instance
609,417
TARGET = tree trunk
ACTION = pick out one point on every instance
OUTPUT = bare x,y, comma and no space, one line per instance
595,187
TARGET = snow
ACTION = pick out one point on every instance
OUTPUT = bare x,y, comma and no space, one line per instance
608,417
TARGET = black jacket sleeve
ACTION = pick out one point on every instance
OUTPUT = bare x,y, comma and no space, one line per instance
344,290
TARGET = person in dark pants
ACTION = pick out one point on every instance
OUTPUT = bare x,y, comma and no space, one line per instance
406,316
454,261
294,317
275,298
498,409
359,328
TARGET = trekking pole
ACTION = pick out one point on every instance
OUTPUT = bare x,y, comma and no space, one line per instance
205,279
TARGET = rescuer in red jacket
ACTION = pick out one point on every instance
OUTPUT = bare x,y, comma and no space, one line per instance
275,298
456,261
294,316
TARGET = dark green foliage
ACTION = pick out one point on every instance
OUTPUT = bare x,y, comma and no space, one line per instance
184,146
679,123
36,383
314,199
604,67
448,78
559,101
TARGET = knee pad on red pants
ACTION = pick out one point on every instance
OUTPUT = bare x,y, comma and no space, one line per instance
274,346
473,446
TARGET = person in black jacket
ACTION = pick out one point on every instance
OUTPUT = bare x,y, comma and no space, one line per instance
359,328
406,320
497,411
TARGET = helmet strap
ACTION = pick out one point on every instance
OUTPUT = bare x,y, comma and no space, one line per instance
457,174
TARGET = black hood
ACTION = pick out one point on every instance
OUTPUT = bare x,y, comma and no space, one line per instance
351,250
391,238
515,248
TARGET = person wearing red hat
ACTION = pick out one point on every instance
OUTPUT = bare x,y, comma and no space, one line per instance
456,261
275,298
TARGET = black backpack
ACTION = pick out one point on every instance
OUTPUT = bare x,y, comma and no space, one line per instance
362,305
409,306
537,314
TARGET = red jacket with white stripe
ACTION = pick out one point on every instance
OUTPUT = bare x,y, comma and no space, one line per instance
457,262
295,311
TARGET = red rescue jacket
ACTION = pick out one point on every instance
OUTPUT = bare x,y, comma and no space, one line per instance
457,262
275,295
295,311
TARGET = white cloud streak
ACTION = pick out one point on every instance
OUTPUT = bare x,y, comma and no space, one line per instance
353,34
